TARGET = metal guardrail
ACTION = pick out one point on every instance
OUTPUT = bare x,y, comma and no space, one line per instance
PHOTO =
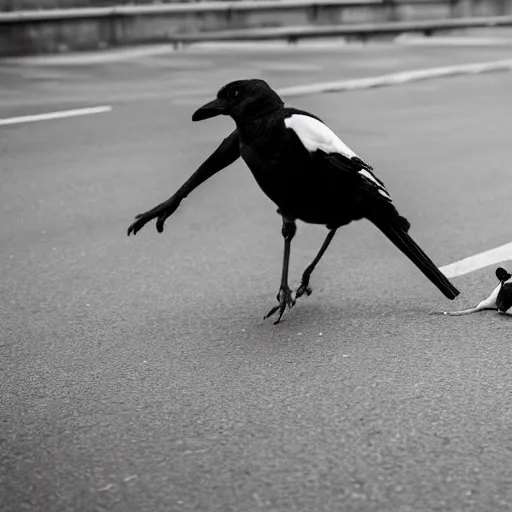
203,6
34,5
75,4
57,30
359,30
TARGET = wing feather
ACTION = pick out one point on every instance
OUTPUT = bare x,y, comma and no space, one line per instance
317,137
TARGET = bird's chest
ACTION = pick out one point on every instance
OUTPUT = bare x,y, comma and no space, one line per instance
274,158
276,170
262,159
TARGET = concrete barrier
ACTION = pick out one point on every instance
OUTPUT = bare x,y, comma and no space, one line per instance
47,31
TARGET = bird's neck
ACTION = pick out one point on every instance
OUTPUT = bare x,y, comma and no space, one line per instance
258,109
251,126
253,130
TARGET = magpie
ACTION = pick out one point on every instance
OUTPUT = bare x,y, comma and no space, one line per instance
306,170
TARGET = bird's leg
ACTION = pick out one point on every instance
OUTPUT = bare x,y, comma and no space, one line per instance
285,296
304,285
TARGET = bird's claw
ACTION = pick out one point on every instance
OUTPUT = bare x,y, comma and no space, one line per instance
139,223
143,218
285,298
303,289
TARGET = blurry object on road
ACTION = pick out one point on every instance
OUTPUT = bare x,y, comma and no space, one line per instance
500,299
504,299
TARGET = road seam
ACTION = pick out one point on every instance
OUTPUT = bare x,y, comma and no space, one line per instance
417,40
55,115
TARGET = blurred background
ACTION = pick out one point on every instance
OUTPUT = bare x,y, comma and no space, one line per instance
41,26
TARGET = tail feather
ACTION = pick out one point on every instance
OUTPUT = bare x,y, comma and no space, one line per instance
396,231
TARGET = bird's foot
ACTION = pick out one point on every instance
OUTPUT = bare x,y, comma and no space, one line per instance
304,288
285,298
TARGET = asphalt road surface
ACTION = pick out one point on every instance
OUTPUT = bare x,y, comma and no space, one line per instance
138,374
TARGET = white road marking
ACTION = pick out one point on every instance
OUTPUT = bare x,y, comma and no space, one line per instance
55,115
93,57
478,261
397,78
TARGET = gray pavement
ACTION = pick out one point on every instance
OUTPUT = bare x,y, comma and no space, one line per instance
138,374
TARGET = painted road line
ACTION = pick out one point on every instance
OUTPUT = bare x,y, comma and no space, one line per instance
398,78
55,115
94,57
478,261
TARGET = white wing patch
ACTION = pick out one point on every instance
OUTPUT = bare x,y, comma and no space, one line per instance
316,135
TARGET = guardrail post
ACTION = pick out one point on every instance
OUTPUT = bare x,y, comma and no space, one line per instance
390,12
462,8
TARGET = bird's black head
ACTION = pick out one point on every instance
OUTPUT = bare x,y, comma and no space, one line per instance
502,275
242,100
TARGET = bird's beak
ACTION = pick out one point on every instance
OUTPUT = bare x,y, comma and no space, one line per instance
211,109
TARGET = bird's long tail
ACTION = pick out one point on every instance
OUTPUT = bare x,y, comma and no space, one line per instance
396,230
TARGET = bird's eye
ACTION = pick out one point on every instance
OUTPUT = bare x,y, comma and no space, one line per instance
235,92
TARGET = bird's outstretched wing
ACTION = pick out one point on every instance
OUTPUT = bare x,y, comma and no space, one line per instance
224,155
318,138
